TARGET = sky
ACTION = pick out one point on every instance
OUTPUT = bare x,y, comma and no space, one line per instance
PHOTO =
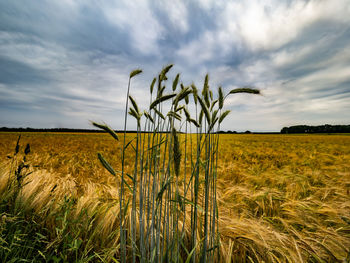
64,63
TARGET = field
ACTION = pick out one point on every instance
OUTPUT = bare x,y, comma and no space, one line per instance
281,198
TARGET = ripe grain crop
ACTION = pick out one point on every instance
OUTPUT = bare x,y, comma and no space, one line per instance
281,198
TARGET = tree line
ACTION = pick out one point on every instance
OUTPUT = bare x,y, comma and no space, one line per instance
327,128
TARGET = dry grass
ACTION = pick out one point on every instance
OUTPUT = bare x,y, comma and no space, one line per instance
282,198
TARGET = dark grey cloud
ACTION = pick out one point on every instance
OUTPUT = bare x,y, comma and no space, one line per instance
63,63
14,72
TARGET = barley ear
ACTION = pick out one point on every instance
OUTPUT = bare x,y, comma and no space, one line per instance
205,91
134,104
176,152
205,109
135,72
27,149
200,118
152,85
160,92
206,85
162,75
136,115
245,89
17,145
221,98
182,94
195,93
176,81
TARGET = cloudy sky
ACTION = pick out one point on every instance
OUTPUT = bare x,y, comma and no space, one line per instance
65,62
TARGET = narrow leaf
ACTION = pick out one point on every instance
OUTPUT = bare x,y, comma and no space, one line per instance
106,128
148,116
174,115
187,114
161,99
106,164
213,116
126,146
223,115
195,122
213,104
159,113
179,108
184,92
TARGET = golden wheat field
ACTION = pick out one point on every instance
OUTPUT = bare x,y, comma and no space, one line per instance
281,198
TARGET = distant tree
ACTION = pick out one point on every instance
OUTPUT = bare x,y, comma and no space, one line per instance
327,128
284,130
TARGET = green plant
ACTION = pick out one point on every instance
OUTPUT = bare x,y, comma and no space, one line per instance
23,236
163,190
19,169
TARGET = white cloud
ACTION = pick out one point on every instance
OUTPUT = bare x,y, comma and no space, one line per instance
211,4
327,76
31,50
200,50
177,13
259,25
325,105
136,18
270,24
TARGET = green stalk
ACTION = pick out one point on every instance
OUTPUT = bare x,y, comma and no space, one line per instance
196,190
121,196
206,200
